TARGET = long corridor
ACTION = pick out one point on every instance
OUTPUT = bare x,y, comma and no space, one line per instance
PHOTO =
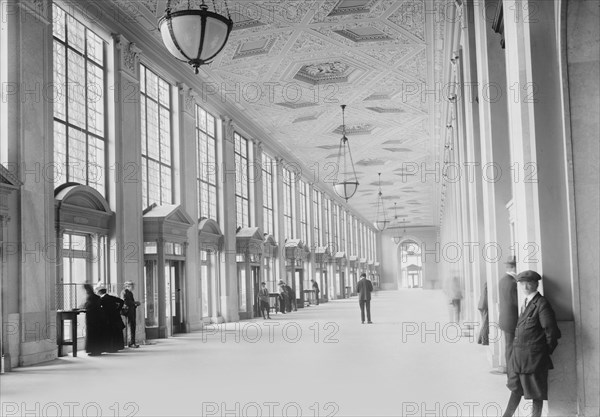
319,361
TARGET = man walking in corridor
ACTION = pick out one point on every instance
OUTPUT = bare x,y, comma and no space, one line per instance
364,289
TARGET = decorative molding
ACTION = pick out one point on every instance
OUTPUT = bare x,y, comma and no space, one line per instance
40,9
228,128
129,55
341,10
357,38
324,73
263,50
189,98
386,109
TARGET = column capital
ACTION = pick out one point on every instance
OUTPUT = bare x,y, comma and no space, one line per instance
189,98
228,128
129,54
40,9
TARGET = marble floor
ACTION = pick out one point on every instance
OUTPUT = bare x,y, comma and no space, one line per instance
319,361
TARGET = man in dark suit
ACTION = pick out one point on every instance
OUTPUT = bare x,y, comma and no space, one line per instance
508,305
130,307
536,337
364,289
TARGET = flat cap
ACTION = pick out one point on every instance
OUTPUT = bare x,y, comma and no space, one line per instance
528,276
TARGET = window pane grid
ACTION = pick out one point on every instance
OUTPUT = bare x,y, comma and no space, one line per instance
79,102
241,183
156,139
303,210
206,167
317,217
267,171
287,204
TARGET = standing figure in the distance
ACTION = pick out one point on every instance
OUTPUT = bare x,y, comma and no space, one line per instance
315,287
130,307
263,301
364,289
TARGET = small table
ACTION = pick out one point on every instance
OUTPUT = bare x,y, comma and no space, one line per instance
61,317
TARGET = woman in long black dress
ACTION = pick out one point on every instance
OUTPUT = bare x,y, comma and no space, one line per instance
111,307
95,322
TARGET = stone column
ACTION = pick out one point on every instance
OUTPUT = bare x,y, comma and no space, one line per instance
30,146
495,157
580,38
472,169
540,176
228,273
125,180
312,239
189,202
279,218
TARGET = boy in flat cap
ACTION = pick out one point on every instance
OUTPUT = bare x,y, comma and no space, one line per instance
536,338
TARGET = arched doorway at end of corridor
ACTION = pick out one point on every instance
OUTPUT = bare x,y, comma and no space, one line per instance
410,266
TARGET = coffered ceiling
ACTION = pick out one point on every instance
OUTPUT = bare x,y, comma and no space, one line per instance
289,65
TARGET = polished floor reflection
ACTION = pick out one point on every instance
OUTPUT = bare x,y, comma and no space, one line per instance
319,361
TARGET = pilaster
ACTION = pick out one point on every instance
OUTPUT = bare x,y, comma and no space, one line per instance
125,175
31,145
228,274
189,202
540,178
495,158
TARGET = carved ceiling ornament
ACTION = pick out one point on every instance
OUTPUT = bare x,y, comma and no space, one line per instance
325,68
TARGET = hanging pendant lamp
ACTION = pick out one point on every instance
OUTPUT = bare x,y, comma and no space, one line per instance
349,183
195,35
381,222
398,237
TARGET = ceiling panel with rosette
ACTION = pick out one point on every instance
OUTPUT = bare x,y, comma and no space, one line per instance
289,65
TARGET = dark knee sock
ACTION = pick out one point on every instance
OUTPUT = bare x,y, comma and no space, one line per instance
513,403
537,408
